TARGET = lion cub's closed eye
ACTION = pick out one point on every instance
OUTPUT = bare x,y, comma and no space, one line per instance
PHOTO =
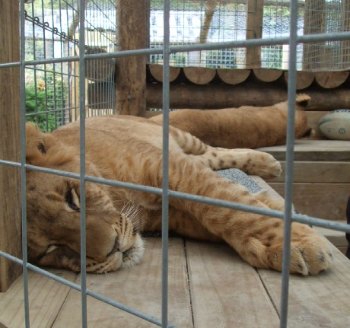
72,199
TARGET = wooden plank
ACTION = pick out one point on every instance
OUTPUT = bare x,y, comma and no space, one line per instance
304,79
267,74
329,80
233,76
45,300
133,20
254,31
10,213
316,301
157,72
314,150
199,75
321,172
226,292
138,287
337,238
323,200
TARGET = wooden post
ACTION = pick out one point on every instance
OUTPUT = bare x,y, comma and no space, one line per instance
255,10
10,218
133,33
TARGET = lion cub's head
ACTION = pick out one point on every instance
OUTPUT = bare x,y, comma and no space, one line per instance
53,213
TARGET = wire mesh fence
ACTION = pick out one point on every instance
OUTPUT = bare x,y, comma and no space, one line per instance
57,91
52,31
219,21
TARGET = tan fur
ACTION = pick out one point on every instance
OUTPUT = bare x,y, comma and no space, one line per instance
130,150
262,126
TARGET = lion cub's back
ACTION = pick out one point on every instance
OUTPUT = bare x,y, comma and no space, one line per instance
119,130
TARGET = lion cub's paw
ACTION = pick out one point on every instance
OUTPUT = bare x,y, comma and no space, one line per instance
310,252
265,165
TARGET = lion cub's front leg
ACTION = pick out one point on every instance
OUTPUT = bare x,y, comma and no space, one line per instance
257,239
261,245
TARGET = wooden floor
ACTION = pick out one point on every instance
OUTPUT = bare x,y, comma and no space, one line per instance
209,286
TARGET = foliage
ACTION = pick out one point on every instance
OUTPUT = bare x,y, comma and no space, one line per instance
45,102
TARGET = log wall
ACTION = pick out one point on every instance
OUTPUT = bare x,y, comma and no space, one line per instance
198,87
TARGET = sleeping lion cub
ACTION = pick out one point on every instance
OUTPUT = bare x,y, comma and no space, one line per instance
129,149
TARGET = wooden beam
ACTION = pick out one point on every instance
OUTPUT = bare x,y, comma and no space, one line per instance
314,150
330,80
233,76
323,200
10,218
318,172
133,33
254,31
156,71
267,74
254,94
304,79
199,75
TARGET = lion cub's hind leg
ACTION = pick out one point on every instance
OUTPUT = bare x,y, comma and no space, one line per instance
252,162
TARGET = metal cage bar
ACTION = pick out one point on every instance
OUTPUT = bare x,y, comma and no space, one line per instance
292,72
82,163
165,182
23,172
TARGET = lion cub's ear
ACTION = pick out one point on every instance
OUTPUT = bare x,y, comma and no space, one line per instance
302,100
38,144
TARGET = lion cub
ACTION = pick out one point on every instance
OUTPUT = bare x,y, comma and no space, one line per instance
129,150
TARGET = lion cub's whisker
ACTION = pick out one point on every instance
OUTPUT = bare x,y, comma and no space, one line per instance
132,212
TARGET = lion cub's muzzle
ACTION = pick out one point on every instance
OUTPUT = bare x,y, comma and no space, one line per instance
121,256
127,251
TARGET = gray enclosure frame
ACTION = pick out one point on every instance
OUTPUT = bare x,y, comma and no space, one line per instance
288,216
